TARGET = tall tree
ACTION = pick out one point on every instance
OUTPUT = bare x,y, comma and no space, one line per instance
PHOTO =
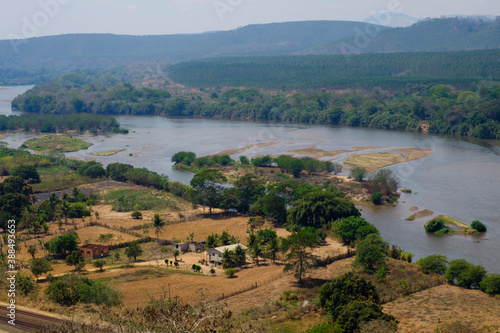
159,224
317,209
134,250
208,187
297,248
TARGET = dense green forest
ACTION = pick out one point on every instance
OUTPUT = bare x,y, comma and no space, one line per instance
389,71
472,111
61,123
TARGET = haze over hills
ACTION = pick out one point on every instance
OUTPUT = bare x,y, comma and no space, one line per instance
37,59
392,19
429,35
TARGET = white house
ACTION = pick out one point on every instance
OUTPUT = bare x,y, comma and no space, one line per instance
215,254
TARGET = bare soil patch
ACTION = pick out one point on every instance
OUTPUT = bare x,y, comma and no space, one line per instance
236,226
92,233
424,311
423,213
374,161
413,209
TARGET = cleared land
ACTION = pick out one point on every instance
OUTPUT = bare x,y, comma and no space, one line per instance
55,143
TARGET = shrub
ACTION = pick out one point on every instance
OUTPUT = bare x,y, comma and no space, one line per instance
26,284
491,284
27,173
377,198
326,328
137,215
71,289
358,312
39,266
244,160
64,243
354,228
435,225
435,263
338,293
75,259
230,272
465,274
358,173
99,264
371,253
478,225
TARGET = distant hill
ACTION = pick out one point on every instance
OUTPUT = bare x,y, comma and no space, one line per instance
38,59
448,34
104,49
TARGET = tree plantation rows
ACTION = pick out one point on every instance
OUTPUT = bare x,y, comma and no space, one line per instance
436,108
388,70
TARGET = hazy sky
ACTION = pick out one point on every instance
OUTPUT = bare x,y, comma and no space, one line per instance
34,18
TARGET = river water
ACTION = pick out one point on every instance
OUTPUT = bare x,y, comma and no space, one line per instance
460,179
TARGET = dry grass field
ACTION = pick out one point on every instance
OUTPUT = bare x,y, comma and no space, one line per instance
425,311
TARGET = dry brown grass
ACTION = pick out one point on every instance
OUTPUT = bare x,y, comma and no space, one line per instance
429,309
402,279
236,226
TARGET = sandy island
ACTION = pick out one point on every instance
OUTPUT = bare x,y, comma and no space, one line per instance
374,161
316,152
107,153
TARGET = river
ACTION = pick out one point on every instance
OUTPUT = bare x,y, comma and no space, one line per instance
460,179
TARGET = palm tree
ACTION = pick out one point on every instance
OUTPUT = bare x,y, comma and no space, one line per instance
240,255
256,252
273,247
228,259
158,224
65,209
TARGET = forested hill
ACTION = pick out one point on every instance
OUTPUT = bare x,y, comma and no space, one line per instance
390,71
450,34
69,52
39,59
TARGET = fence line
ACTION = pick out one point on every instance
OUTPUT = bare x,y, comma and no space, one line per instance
251,287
